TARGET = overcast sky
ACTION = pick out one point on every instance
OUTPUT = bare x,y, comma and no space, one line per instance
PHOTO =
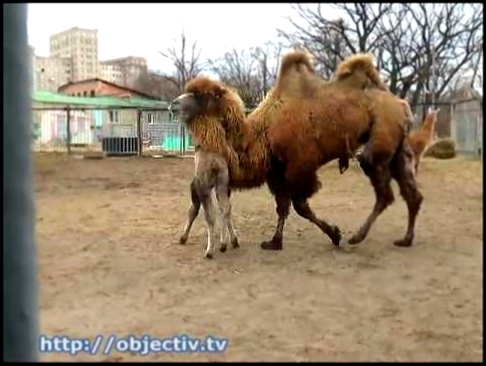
145,29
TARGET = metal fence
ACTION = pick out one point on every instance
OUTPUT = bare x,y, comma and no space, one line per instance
461,121
136,131
467,127
115,131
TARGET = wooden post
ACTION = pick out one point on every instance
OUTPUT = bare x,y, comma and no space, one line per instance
68,130
432,80
20,288
139,132
479,132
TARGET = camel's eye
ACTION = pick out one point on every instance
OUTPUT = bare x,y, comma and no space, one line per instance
198,97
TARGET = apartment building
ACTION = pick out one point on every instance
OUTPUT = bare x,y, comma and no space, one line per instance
123,71
81,45
51,72
111,73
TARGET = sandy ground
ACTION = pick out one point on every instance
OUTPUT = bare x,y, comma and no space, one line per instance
110,263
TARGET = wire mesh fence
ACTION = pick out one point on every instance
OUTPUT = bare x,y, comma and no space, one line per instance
150,131
461,121
114,131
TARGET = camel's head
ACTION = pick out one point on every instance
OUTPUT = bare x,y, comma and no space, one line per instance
433,112
204,97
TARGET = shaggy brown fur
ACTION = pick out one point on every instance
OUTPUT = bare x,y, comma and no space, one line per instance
218,123
359,70
302,124
423,137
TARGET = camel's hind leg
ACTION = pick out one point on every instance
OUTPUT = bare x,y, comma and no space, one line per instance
225,210
210,217
402,170
225,229
380,177
192,212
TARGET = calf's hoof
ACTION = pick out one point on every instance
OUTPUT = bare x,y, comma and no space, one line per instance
403,243
208,255
271,245
234,243
222,248
183,240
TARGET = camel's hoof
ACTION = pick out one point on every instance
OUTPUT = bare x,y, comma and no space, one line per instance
223,248
208,255
183,240
271,245
335,235
235,244
403,243
356,239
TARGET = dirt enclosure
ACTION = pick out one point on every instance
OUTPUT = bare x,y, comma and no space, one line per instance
110,263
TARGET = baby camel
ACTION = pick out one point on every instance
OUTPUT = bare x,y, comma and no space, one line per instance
211,178
421,138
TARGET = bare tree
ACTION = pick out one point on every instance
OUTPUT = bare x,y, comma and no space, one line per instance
331,40
268,62
238,68
419,47
156,85
447,42
186,59
252,72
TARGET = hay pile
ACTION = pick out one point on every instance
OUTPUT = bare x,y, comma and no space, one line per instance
442,149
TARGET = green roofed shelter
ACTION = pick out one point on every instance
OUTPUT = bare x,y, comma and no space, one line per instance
45,97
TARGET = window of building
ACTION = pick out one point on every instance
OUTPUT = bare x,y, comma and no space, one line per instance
85,93
92,93
151,118
114,116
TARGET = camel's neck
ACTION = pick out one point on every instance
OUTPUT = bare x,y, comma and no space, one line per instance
237,134
429,124
247,141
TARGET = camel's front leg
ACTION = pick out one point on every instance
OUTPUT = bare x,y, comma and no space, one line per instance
225,210
191,213
283,207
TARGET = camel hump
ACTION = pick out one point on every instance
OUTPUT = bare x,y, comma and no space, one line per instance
294,60
358,62
202,85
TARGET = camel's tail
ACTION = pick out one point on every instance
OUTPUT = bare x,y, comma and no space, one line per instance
294,60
